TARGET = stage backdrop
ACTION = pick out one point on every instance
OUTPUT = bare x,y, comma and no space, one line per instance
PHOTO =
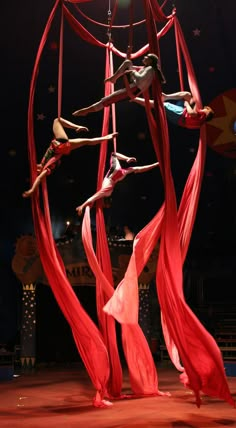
27,266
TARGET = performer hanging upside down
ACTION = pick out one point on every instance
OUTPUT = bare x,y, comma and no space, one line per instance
115,173
62,145
182,113
140,80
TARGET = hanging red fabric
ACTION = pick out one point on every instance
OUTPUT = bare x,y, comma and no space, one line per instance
87,337
199,353
80,30
187,336
142,371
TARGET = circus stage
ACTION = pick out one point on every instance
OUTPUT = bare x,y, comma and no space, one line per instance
62,397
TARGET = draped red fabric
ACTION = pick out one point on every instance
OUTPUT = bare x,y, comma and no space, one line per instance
80,30
60,66
209,366
199,352
87,337
124,303
189,201
107,324
145,48
142,371
85,35
157,12
126,295
200,355
78,1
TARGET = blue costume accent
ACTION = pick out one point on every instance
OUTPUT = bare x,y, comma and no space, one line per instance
174,111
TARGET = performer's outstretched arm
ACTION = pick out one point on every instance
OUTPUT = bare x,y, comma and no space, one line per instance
144,168
108,184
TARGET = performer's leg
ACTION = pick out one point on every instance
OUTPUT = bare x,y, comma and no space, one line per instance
181,95
76,143
102,193
90,109
119,95
120,71
58,129
36,183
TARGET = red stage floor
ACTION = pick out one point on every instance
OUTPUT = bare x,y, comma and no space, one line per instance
62,398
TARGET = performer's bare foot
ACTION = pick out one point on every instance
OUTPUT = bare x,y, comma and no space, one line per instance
27,193
164,394
82,112
187,96
79,210
102,403
81,128
98,401
111,79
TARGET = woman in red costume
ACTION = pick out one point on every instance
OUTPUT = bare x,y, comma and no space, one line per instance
115,173
140,80
61,145
182,113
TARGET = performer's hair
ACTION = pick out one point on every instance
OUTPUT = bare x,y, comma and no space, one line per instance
210,115
155,64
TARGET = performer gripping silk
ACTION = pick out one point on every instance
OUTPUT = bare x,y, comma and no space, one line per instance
61,145
115,173
183,113
140,80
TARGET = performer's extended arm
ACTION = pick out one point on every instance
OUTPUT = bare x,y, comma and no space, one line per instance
139,169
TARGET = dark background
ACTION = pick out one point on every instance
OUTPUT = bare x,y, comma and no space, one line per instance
137,199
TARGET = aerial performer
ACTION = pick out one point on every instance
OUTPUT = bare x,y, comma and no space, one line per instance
140,79
115,173
62,145
183,113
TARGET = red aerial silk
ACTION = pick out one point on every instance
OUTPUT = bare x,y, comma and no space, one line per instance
87,337
78,1
185,336
107,324
79,29
142,370
200,355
